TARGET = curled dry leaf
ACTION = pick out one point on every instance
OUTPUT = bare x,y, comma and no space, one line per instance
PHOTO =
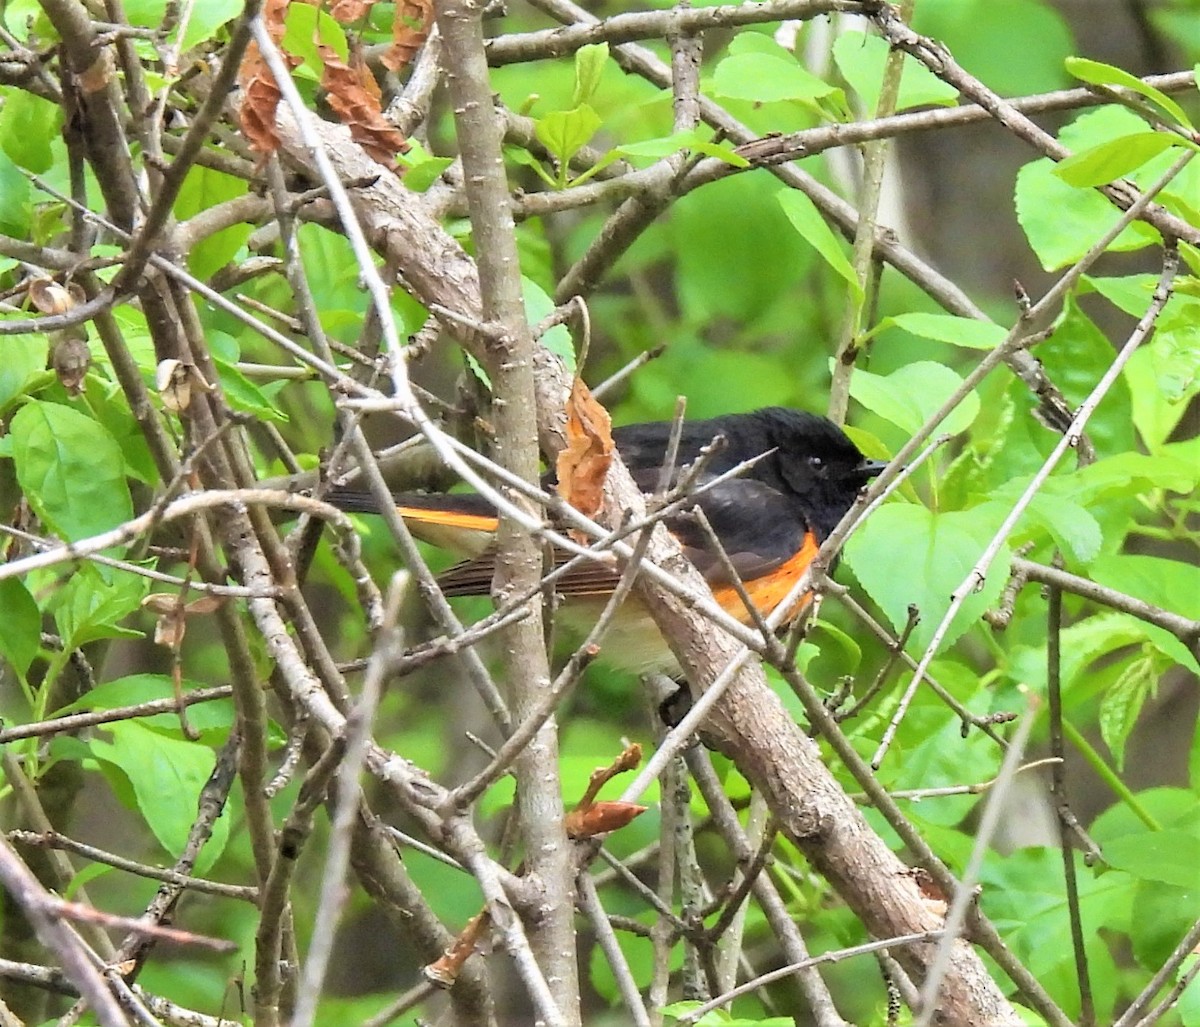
175,380
354,96
410,29
601,818
172,615
583,465
260,94
49,297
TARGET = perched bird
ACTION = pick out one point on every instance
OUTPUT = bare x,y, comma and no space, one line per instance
770,520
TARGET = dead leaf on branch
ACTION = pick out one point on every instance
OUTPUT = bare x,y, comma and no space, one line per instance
583,465
410,29
601,818
260,94
353,95
346,11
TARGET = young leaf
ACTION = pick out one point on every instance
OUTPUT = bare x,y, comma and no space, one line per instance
20,626
910,395
860,58
1124,701
1098,74
938,552
70,469
807,220
1114,159
968,332
565,133
763,78
589,67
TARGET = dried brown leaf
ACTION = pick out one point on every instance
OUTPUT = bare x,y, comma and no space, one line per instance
49,297
70,358
410,29
346,11
354,96
583,465
260,94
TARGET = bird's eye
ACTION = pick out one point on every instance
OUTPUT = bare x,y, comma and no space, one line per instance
816,463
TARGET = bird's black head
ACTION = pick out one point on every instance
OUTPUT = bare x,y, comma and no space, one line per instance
815,461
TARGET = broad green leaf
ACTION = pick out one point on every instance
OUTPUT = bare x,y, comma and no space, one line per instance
28,124
16,199
765,77
807,220
968,332
861,58
1123,702
539,305
589,67
1071,525
1130,293
1171,584
565,133
135,689
89,607
910,395
1097,74
20,626
1114,158
1165,912
1137,472
1167,856
1062,222
934,557
71,470
22,359
166,775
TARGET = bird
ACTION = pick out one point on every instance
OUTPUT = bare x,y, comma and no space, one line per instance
803,473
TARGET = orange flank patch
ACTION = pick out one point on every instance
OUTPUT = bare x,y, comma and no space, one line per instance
449,518
768,591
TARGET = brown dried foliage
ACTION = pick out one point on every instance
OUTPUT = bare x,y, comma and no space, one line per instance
583,465
410,29
354,96
260,94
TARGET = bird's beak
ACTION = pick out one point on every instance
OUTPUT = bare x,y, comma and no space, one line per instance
869,469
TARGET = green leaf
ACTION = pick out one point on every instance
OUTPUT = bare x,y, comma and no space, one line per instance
565,133
305,27
22,359
203,189
1124,701
71,470
589,68
1062,222
422,169
167,776
1097,74
89,607
142,688
20,626
1165,912
807,220
665,146
1171,584
16,199
861,58
968,332
1167,856
28,124
937,554
539,305
910,395
245,395
1114,158
765,77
